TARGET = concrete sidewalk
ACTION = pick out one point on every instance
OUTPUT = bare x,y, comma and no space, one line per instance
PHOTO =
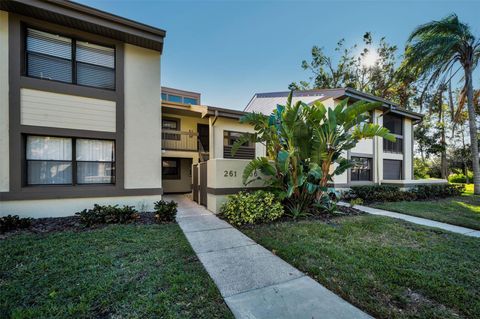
254,282
418,220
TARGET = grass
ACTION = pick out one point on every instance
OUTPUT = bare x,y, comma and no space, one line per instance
387,267
461,211
121,271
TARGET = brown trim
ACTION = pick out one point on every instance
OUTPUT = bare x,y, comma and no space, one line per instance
68,88
230,191
17,189
88,19
80,191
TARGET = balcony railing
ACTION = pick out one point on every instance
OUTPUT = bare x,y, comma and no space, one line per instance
179,140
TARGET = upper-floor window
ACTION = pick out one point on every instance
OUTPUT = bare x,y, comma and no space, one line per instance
395,125
58,58
189,100
175,98
179,99
246,151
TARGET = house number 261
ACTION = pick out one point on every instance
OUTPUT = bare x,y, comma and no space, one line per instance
229,173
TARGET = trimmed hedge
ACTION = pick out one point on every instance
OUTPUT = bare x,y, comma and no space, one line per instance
387,193
107,214
251,208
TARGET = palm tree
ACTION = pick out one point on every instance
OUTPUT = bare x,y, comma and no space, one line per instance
438,50
304,142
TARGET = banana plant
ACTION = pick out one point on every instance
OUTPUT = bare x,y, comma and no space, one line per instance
305,144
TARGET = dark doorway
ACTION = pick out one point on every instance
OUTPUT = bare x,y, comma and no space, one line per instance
203,183
195,182
203,137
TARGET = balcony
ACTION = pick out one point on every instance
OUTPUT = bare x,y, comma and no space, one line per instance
179,140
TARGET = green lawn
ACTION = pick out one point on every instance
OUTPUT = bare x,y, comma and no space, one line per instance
121,271
462,210
387,267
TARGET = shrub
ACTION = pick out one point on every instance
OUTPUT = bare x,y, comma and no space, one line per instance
165,211
377,193
460,178
434,191
387,193
356,201
107,214
252,208
13,222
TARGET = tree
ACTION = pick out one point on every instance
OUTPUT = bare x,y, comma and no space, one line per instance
373,70
304,142
438,50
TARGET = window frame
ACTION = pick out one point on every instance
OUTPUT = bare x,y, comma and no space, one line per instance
355,176
171,136
391,147
73,161
228,133
176,176
73,60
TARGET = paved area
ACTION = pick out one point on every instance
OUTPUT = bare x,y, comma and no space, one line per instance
254,282
418,220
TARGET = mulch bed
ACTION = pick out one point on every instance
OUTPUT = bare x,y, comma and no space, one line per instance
70,223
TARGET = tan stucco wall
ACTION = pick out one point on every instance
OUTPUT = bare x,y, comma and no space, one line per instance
41,108
4,126
225,124
216,171
142,118
182,185
233,168
68,207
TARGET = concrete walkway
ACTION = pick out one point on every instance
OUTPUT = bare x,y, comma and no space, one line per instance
418,220
254,282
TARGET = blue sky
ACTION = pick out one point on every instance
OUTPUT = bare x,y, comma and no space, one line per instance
229,50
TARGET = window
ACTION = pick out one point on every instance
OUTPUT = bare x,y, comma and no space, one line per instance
164,97
362,169
49,56
188,100
171,168
49,160
395,125
175,98
246,151
53,57
95,161
95,65
170,124
392,169
229,138
69,161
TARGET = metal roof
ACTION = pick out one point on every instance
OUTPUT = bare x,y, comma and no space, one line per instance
266,102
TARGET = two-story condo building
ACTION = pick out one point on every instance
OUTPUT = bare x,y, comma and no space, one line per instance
80,117
377,161
84,119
